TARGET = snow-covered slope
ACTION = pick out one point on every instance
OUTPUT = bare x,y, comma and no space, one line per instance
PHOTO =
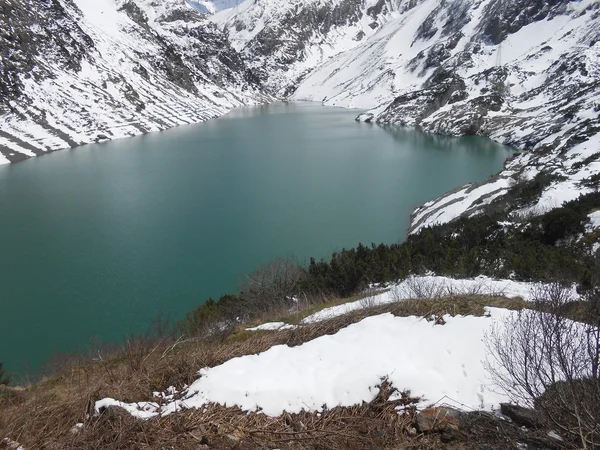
345,369
78,71
437,361
525,73
285,40
212,6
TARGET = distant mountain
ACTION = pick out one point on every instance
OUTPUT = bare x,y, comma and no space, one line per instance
212,6
78,71
523,72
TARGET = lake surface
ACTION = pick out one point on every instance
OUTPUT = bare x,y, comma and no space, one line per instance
96,241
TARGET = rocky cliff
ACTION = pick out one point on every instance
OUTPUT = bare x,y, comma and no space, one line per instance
78,71
525,73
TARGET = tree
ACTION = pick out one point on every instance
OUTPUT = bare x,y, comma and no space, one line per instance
270,287
544,358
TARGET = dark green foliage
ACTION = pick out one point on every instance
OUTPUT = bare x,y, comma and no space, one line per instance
202,320
528,191
593,181
560,223
4,379
535,250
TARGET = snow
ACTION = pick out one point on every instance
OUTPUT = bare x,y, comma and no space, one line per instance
431,286
454,205
143,410
435,362
272,326
121,89
214,6
594,221
554,435
103,15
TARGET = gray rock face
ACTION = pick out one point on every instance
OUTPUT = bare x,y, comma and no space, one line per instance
525,417
73,72
414,107
440,419
504,17
29,30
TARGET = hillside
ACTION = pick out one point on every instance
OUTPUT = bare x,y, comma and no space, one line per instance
76,71
526,74
410,345
356,378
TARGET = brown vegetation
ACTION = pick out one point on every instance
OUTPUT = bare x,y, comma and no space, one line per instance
44,415
543,358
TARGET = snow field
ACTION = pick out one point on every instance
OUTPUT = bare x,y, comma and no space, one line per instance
439,363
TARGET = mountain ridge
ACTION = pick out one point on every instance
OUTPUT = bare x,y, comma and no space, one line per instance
74,72
524,73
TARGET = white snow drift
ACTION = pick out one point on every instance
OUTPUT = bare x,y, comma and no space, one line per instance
440,363
432,286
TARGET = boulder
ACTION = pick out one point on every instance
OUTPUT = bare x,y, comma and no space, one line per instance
525,417
440,419
9,444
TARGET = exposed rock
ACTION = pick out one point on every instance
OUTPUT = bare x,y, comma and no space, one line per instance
526,417
115,414
502,17
74,72
440,419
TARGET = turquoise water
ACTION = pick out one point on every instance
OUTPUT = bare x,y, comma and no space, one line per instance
98,240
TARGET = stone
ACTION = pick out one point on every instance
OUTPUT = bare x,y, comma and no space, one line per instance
525,417
440,419
449,435
9,444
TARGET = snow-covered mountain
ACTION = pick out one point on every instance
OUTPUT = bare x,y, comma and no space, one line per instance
523,72
212,6
78,71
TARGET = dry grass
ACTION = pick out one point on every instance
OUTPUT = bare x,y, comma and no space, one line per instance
44,414
373,425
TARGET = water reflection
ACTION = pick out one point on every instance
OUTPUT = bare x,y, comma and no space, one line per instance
415,137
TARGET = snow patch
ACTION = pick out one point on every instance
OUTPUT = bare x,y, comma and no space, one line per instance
272,326
594,221
432,286
435,362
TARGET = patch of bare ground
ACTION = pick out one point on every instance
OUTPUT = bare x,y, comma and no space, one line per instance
44,415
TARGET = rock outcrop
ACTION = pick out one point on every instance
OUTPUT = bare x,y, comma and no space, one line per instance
524,73
76,71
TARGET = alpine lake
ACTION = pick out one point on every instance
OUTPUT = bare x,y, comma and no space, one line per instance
97,241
